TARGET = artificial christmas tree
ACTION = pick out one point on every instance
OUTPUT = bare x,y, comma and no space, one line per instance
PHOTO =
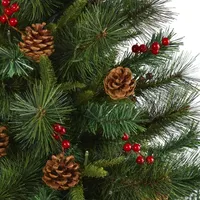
127,123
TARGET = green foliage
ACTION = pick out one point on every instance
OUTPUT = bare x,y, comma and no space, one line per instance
35,113
94,171
136,61
174,72
71,13
69,86
44,193
172,109
181,140
146,16
76,193
18,176
109,163
13,62
113,119
47,72
39,9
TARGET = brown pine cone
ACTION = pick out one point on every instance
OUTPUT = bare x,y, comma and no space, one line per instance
37,41
4,141
119,83
61,173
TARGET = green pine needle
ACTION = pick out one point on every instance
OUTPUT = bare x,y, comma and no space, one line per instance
76,193
13,62
94,171
34,114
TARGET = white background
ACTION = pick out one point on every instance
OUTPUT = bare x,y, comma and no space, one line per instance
187,24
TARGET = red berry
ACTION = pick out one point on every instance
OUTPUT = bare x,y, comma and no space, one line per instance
66,144
143,48
140,160
150,159
155,52
5,3
3,19
56,136
136,147
165,41
57,128
63,131
155,46
13,22
125,136
127,147
15,7
142,78
135,48
8,11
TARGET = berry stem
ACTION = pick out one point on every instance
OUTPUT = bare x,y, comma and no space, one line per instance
16,29
60,138
86,158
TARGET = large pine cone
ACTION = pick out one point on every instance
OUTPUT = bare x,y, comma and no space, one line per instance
4,141
61,173
119,83
37,42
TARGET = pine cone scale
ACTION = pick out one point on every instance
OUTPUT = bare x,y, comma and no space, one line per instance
119,83
4,141
61,173
37,42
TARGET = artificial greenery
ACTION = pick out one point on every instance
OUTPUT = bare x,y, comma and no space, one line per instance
90,39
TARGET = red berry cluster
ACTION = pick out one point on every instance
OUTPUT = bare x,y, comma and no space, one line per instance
9,10
155,47
136,148
59,131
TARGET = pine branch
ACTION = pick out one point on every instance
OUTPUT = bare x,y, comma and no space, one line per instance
76,193
71,13
180,140
136,61
94,171
106,117
109,163
44,193
40,9
47,72
171,109
142,15
69,86
13,62
174,72
34,114
19,176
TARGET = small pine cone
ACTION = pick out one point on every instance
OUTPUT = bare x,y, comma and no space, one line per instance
61,173
119,83
37,41
4,141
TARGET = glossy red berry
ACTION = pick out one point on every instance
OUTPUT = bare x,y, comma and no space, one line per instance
165,41
125,137
66,144
15,7
143,48
127,147
56,136
63,131
3,19
155,52
150,159
136,147
155,46
13,22
8,11
57,128
5,3
135,48
140,160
